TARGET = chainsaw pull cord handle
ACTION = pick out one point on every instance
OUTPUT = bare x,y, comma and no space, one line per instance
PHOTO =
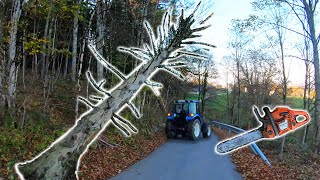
268,113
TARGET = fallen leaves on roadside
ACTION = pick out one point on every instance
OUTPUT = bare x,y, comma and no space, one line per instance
106,162
251,166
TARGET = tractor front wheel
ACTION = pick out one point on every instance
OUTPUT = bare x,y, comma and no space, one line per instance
170,132
194,129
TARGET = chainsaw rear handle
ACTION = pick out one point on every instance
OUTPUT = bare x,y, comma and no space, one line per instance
271,120
296,114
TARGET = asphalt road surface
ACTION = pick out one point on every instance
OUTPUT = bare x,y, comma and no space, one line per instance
183,159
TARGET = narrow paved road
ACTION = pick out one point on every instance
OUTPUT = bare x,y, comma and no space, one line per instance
183,159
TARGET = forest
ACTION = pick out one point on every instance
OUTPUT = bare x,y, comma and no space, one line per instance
50,74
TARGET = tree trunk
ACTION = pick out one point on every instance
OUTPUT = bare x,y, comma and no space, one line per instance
12,53
284,93
24,56
75,45
101,29
310,12
306,85
43,48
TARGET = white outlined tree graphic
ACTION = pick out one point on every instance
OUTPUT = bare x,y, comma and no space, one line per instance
61,160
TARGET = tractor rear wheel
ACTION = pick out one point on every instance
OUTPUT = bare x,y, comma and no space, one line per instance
194,129
206,130
170,131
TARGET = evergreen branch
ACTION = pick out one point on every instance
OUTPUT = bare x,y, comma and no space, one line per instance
199,43
151,36
194,55
160,38
195,10
206,19
164,20
142,51
176,64
146,46
195,36
200,28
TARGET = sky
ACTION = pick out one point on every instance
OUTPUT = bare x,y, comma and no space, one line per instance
218,34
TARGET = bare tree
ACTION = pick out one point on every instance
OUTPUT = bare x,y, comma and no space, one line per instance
308,9
75,42
277,18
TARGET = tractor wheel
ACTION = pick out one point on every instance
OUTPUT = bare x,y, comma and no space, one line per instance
194,129
206,130
170,132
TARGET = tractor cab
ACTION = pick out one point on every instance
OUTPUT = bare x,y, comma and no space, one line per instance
185,110
184,118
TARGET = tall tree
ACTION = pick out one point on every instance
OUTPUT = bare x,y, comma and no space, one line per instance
276,17
75,40
309,7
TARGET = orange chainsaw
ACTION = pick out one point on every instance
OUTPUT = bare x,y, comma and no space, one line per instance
275,124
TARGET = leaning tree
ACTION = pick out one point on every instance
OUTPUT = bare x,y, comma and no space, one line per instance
61,160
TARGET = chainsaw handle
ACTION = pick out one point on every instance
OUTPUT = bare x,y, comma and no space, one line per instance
297,113
255,109
271,120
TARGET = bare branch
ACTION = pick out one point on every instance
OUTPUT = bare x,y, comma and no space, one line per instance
287,29
96,85
134,53
85,101
297,15
96,98
134,109
120,127
153,84
99,57
133,129
307,60
173,71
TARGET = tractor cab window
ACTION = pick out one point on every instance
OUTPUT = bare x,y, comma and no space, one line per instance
181,108
193,108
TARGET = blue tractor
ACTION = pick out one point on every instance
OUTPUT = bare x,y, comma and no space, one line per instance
186,119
